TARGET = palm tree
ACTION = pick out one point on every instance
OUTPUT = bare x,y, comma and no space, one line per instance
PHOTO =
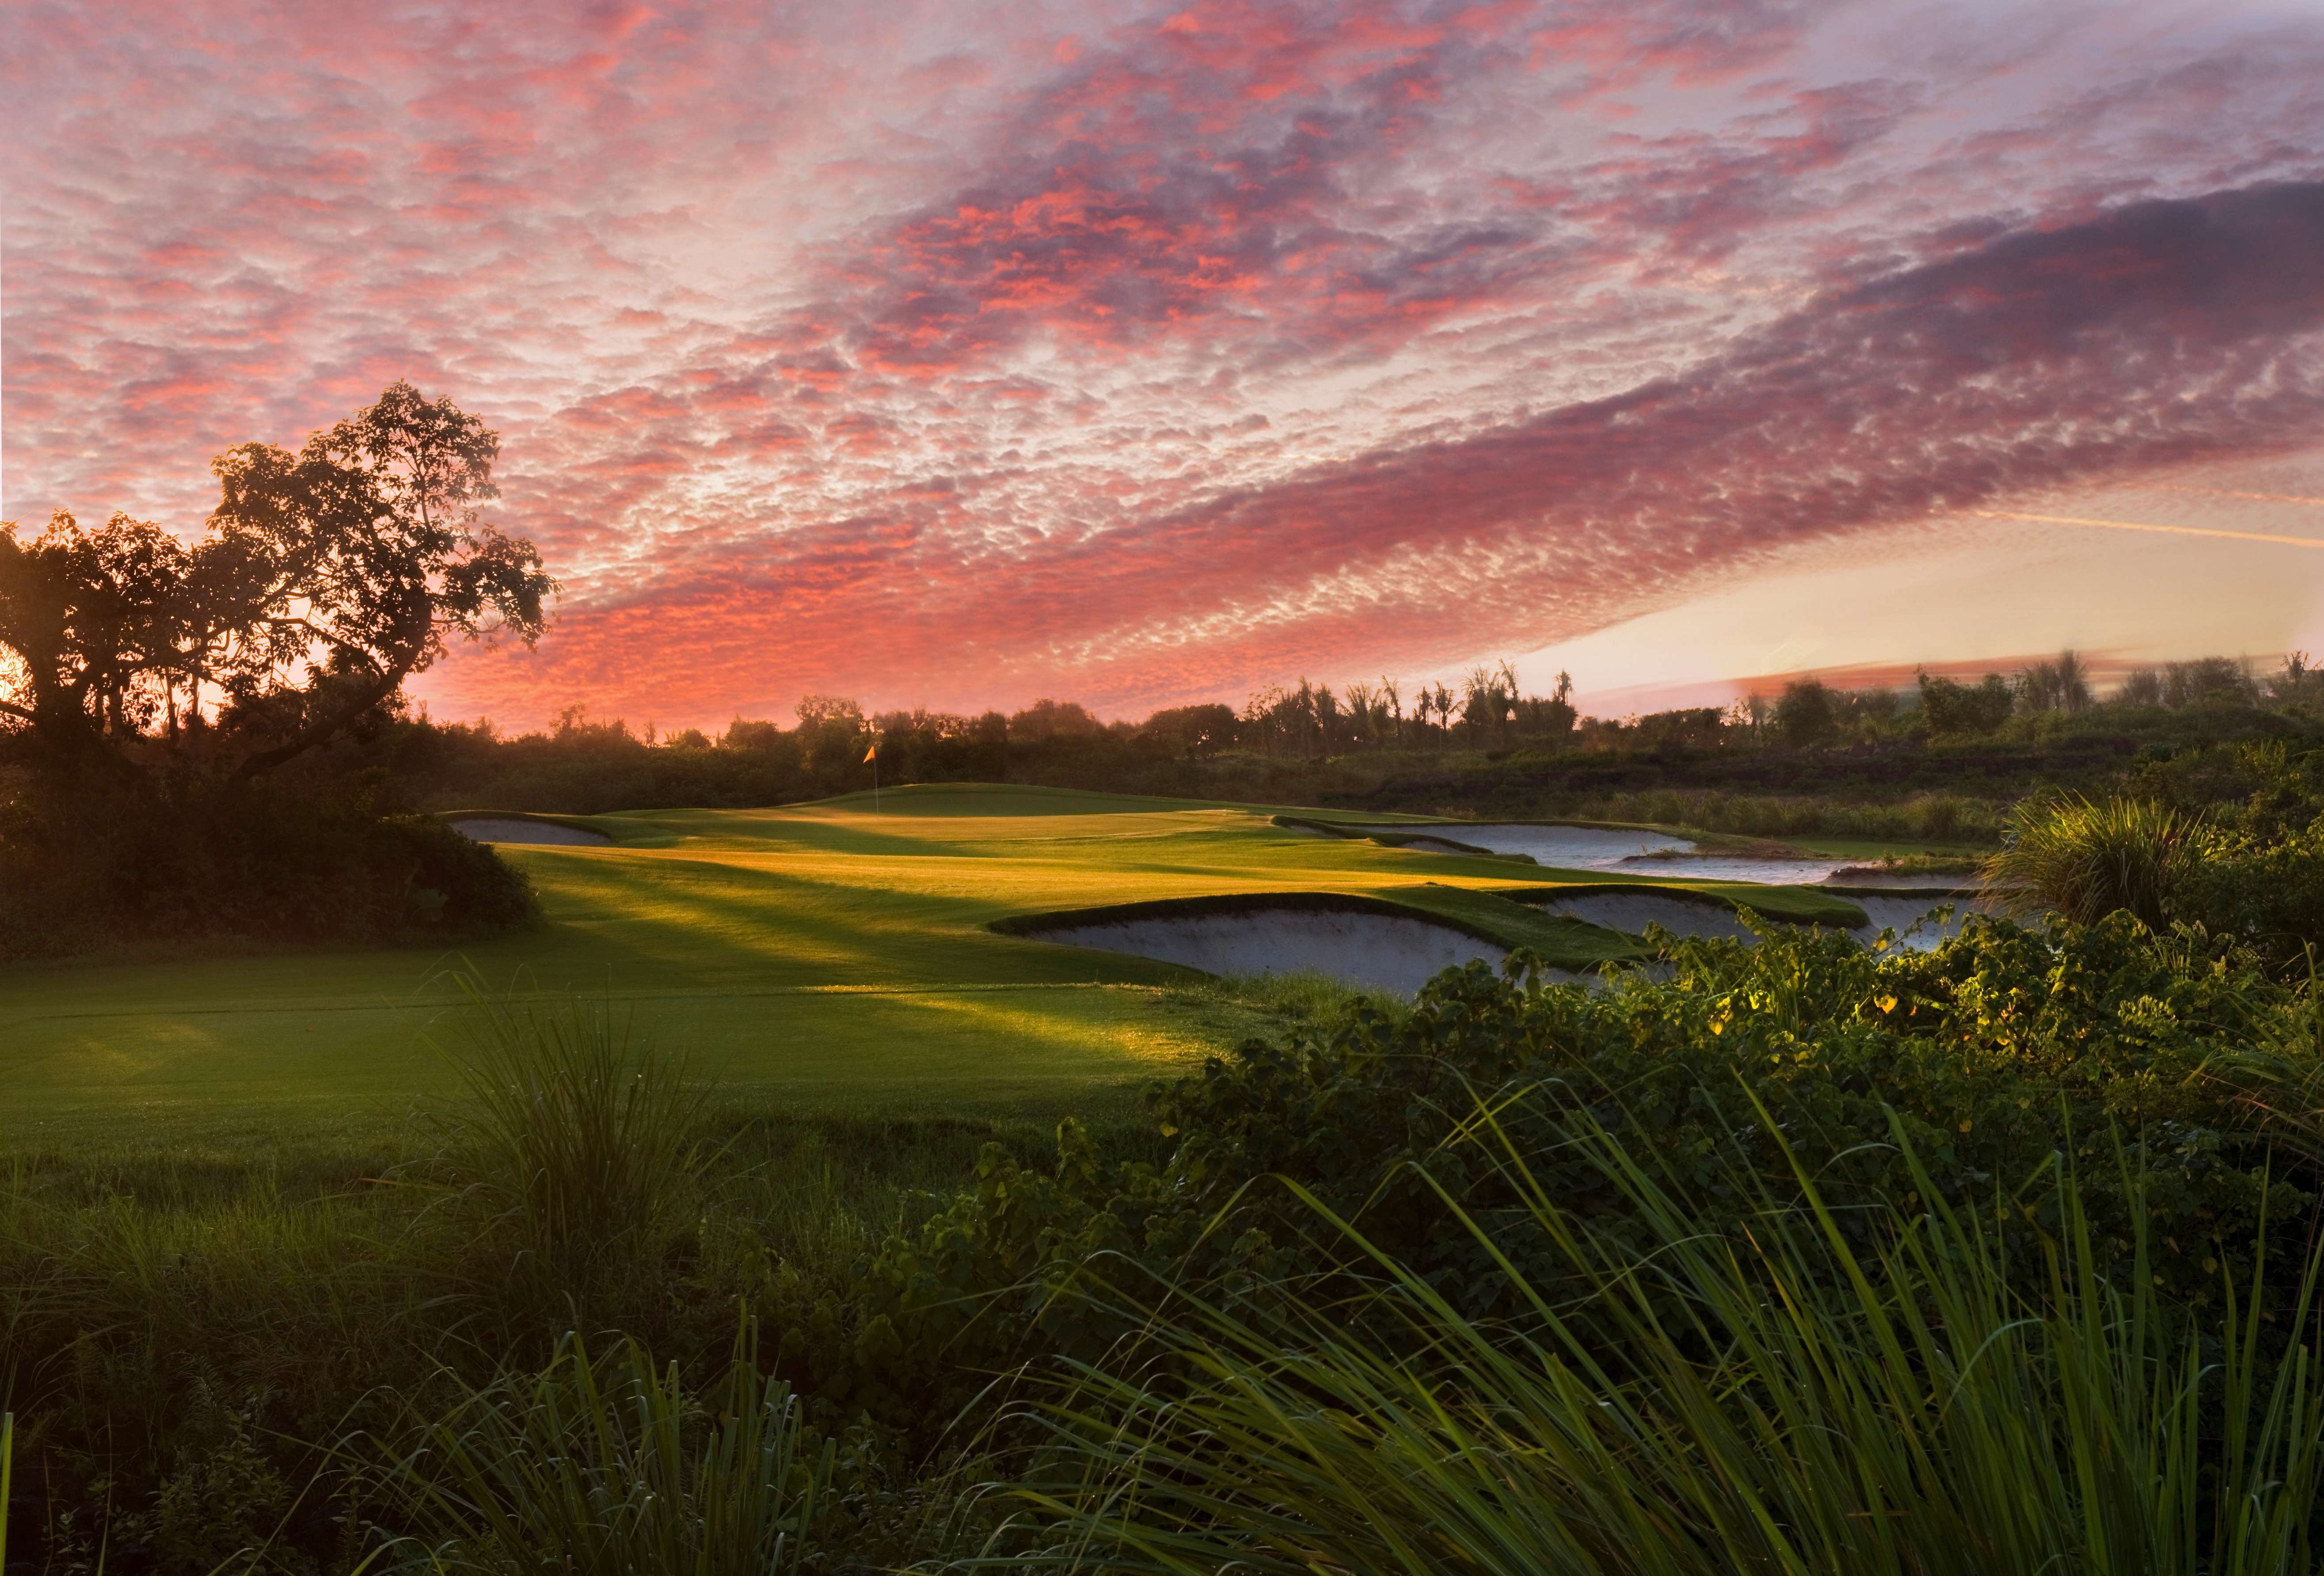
2073,682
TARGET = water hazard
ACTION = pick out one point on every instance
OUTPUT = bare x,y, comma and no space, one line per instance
1658,853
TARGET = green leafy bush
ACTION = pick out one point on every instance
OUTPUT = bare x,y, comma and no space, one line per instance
1998,1058
2268,892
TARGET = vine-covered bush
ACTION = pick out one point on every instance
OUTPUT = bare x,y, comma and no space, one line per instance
2106,1050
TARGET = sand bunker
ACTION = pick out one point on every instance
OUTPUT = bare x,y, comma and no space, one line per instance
508,829
1375,951
1604,848
1875,879
1913,916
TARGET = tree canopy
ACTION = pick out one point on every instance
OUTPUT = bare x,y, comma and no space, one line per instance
324,579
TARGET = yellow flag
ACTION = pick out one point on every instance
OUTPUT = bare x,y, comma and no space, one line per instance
874,750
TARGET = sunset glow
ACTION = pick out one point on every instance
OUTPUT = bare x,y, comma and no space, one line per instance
958,354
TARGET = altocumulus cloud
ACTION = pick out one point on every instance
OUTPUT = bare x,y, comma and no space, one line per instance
1155,353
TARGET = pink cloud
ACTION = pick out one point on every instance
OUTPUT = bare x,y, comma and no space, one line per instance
1148,353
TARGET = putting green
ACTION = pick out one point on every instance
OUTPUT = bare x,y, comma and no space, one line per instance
820,955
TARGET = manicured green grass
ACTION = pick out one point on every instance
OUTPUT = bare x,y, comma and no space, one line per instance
823,955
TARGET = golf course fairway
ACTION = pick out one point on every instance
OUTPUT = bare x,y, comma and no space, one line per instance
824,956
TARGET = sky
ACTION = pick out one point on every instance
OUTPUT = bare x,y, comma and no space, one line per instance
959,354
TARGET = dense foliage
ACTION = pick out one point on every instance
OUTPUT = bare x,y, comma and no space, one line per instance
150,689
1881,771
2104,1049
194,1343
2231,842
260,862
323,580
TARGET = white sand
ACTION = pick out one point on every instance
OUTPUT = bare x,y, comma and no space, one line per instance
507,829
1382,952
1376,951
1651,854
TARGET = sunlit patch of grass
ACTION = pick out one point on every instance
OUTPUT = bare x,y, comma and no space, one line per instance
1031,1016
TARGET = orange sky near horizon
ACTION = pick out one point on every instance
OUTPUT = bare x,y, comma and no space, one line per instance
1150,355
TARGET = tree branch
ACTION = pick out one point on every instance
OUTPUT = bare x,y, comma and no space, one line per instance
320,730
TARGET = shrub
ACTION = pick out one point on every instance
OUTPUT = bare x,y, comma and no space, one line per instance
1999,1056
2268,892
1950,707
258,861
1803,716
2084,859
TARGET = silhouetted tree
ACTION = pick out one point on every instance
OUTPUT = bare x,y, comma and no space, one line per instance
1806,715
1548,720
1197,733
325,579
2063,685
1951,708
2207,679
1054,719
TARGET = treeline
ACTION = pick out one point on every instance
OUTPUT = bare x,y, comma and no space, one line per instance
1937,761
1312,743
1272,745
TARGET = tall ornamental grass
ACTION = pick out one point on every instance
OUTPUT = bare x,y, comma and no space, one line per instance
1775,1399
608,1465
590,1135
2084,859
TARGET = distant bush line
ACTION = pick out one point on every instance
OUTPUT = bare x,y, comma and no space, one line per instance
1927,765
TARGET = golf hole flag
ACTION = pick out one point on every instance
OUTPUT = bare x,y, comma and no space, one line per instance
871,752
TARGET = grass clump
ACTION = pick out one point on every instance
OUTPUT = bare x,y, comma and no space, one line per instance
2084,859
1303,997
1782,1397
609,1466
586,1137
